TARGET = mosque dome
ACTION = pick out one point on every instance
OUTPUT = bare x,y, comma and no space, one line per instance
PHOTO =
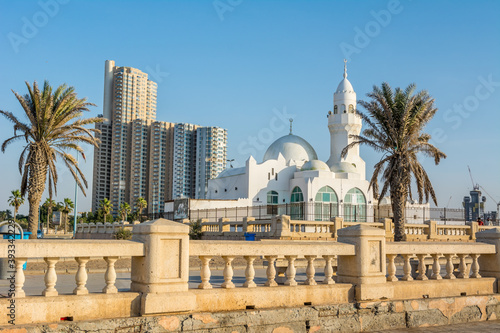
292,147
315,165
344,86
343,167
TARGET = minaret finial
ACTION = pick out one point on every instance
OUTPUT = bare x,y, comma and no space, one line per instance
291,121
345,68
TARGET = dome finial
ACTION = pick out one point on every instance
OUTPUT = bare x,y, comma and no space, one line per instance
291,121
345,68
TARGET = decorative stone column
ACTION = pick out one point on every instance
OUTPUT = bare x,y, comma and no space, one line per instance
248,227
490,263
281,226
389,229
162,274
338,223
366,270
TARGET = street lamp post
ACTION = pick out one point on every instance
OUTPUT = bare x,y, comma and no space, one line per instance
76,197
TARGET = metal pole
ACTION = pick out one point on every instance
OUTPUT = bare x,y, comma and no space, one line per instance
76,197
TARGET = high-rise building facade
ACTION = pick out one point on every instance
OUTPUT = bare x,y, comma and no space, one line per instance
141,157
211,157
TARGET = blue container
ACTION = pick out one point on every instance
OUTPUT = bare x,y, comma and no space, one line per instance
249,237
26,235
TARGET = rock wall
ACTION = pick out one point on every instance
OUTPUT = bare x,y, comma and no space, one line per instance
352,317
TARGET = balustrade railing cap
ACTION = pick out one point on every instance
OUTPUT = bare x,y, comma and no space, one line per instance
160,226
489,233
361,230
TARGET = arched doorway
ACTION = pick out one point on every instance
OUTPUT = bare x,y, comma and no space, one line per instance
297,204
355,206
326,204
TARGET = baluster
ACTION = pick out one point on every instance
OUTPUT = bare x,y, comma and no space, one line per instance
205,273
462,267
328,270
290,271
407,268
436,267
271,271
81,276
228,272
421,267
19,279
310,271
50,277
449,267
391,268
110,276
249,272
475,266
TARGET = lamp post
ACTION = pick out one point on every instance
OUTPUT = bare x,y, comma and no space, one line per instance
76,197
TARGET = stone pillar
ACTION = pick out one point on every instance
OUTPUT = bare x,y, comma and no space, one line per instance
366,270
388,227
223,227
281,226
162,274
432,229
338,223
474,229
489,264
246,226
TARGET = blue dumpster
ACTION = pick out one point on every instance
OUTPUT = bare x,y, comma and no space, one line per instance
6,235
249,236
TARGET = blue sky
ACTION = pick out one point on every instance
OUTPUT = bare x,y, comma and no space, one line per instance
248,66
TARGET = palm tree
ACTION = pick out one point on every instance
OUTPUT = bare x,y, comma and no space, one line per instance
396,120
141,203
66,208
16,200
54,127
105,207
124,210
49,203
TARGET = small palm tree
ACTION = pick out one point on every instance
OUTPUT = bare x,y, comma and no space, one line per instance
49,203
54,127
66,208
105,207
396,120
16,200
124,210
141,203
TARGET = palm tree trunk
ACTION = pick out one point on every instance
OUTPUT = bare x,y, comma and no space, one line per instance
36,186
15,212
399,194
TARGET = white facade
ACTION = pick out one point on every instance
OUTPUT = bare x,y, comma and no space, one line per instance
291,173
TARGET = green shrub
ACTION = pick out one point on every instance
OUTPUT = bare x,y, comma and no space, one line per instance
195,230
123,233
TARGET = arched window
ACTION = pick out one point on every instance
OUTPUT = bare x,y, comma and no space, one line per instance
272,198
355,206
326,204
297,204
351,108
297,195
272,201
335,109
343,108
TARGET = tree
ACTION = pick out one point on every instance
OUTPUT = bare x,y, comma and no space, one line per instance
49,204
54,127
396,120
16,200
66,208
124,210
141,203
105,207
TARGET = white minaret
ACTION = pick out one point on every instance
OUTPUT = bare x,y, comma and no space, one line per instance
342,123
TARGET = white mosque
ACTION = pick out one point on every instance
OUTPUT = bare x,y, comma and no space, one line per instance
291,174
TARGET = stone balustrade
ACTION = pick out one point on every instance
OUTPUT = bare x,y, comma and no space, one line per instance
282,227
368,268
101,230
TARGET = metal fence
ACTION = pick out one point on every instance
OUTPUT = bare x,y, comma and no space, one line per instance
325,211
